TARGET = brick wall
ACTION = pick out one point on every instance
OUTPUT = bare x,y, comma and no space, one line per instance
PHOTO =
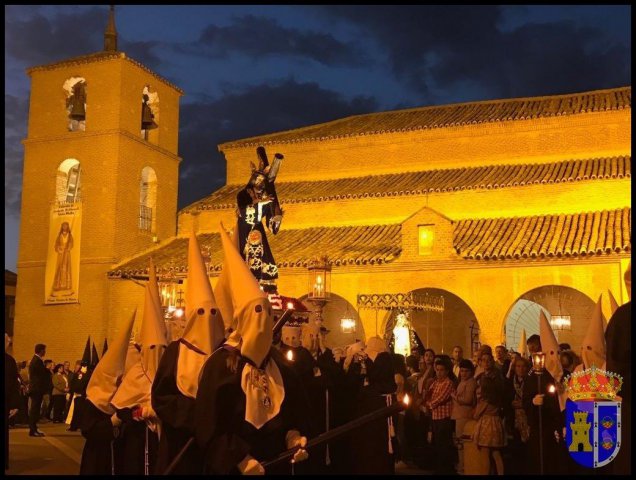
112,155
536,140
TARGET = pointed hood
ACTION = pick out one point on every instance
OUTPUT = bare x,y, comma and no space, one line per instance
223,296
550,347
105,347
94,356
593,345
252,310
135,384
86,358
291,335
153,284
613,302
204,331
310,336
153,329
375,346
523,344
104,380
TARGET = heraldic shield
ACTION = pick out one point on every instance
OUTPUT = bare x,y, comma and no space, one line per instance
593,417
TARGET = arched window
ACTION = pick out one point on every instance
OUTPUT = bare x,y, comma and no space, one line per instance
68,182
149,112
75,90
148,200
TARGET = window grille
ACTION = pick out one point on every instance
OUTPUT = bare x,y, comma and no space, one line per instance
145,218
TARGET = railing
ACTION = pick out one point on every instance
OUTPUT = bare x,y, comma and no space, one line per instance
145,218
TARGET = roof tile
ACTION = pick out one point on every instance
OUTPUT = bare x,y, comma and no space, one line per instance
449,115
592,233
413,183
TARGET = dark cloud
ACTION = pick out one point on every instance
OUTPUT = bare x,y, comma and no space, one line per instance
257,36
15,125
446,47
255,111
143,52
40,40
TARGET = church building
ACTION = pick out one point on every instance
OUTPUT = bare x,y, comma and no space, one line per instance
467,218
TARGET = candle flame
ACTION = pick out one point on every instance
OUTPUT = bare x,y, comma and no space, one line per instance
406,400
551,389
290,355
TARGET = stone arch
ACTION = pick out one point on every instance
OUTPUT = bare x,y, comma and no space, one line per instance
68,181
552,299
148,200
337,308
457,325
75,92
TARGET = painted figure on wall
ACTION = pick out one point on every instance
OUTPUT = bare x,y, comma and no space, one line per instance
258,201
63,283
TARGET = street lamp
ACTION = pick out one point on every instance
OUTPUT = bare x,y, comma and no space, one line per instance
319,284
538,363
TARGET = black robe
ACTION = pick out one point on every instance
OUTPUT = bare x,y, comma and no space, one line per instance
318,377
221,430
78,386
369,444
98,430
551,421
618,343
176,412
133,445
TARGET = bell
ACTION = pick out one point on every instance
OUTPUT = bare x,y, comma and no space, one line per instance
147,117
78,112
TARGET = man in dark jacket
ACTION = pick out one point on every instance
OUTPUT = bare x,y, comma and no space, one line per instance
11,395
39,378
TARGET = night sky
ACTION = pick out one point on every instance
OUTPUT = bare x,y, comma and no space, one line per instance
251,70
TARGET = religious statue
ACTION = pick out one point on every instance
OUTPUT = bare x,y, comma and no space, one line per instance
257,202
62,282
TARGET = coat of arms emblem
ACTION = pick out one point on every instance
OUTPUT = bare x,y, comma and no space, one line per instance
593,417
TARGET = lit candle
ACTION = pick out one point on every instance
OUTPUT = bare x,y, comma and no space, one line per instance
290,355
551,389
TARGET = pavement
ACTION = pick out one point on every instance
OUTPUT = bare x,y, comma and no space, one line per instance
60,452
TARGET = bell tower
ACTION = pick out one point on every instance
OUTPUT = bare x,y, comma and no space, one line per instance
101,157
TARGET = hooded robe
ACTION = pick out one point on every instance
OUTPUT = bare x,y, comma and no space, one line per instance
370,447
175,385
97,428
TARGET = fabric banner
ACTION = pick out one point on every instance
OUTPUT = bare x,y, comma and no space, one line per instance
61,279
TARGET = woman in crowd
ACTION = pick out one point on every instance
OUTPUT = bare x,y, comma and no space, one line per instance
516,419
60,389
464,400
489,431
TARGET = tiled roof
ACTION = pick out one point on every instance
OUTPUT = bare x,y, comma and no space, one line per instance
358,245
450,115
417,183
593,233
100,57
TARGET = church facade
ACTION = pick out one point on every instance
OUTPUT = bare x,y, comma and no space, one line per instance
482,205
489,205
